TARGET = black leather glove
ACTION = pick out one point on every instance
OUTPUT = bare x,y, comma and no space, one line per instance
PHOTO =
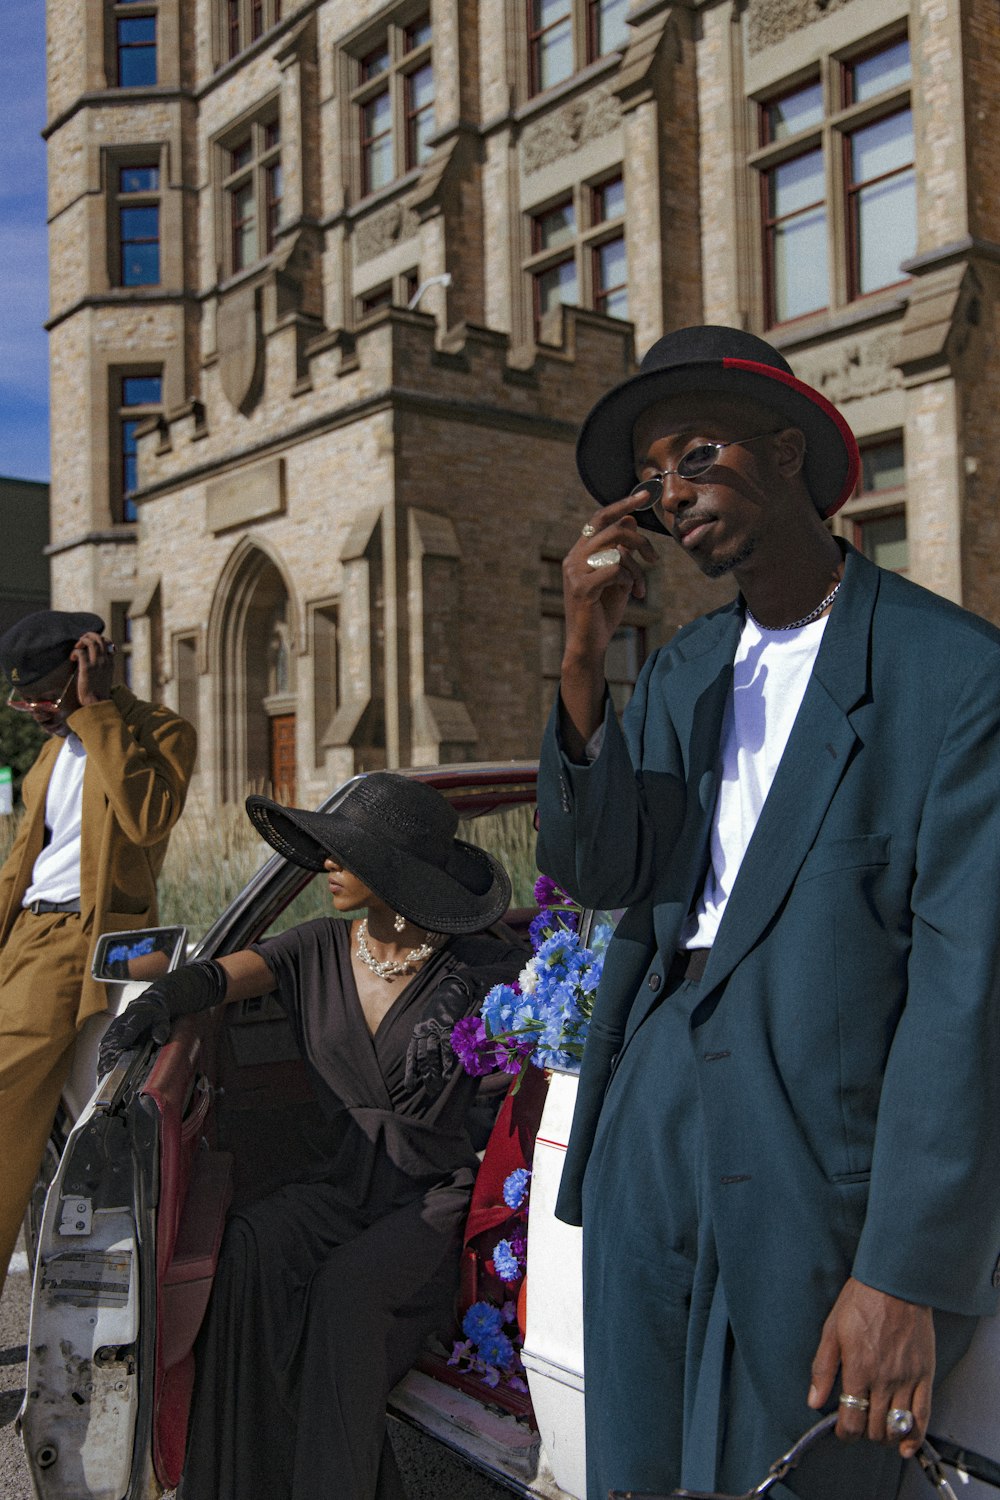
191,988
429,1057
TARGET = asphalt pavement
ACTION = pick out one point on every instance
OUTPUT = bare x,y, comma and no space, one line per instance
429,1471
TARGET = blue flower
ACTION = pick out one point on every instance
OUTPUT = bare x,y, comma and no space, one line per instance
497,1350
506,1263
482,1320
515,1188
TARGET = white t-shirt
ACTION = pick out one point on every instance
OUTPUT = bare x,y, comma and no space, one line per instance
771,672
56,873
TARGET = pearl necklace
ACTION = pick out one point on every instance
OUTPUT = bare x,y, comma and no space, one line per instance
390,968
813,614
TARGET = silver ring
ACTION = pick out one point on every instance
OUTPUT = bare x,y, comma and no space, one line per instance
609,558
587,530
899,1422
854,1403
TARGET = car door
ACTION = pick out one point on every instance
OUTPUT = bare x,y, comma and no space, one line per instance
134,1219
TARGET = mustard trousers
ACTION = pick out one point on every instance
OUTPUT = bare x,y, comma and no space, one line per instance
42,966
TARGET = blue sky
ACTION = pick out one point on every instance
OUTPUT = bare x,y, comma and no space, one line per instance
24,394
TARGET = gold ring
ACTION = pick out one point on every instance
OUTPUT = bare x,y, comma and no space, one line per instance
587,530
609,558
854,1403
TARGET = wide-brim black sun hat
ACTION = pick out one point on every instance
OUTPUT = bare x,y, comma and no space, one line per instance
720,361
397,836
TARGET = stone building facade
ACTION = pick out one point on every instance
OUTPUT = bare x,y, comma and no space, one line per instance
333,283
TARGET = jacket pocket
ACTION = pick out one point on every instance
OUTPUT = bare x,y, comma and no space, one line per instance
864,850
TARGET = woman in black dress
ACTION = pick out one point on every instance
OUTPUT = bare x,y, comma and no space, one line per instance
327,1290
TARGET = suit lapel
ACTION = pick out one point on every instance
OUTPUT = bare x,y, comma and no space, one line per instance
808,775
698,688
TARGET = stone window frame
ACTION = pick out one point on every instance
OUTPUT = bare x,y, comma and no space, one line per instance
584,28
397,291
872,504
121,413
831,135
187,651
240,23
256,171
592,232
405,56
324,627
117,161
122,637
125,11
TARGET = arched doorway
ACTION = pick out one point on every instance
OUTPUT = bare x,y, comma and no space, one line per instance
256,677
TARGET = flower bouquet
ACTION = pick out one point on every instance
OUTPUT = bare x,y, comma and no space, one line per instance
543,1016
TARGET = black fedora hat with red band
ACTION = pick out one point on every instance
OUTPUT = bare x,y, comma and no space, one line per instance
713,360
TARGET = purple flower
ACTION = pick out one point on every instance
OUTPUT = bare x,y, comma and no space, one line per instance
482,1320
471,1047
505,1263
547,893
515,1188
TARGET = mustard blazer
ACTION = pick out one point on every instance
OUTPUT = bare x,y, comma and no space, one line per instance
139,761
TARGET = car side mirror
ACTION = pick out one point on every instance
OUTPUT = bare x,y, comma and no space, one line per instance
142,956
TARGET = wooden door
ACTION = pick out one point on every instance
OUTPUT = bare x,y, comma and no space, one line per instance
283,758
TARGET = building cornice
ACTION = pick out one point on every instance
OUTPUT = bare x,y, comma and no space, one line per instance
127,534
117,298
396,398
969,247
116,99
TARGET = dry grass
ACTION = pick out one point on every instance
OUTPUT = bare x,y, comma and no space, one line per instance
214,851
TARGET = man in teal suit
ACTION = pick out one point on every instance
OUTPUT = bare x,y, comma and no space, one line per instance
785,1147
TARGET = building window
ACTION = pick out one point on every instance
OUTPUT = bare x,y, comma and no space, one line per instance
252,192
135,44
186,677
139,397
137,201
565,35
393,98
244,21
577,255
875,518
625,655
840,177
121,636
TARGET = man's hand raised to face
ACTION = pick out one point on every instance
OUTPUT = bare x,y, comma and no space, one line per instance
597,587
94,668
884,1349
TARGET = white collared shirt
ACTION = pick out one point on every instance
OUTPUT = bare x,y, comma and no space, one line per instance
771,672
56,873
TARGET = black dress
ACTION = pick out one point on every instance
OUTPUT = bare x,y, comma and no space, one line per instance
327,1290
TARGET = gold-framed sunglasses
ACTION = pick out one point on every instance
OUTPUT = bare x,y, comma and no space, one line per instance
24,705
696,464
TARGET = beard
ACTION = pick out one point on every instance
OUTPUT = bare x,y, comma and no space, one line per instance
718,567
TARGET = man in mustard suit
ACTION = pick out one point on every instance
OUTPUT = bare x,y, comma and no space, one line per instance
784,1154
100,802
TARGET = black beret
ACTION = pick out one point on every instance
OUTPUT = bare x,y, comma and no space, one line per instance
39,643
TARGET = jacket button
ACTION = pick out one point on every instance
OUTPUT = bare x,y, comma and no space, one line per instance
654,982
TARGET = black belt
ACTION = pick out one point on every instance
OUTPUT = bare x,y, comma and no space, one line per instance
689,963
40,908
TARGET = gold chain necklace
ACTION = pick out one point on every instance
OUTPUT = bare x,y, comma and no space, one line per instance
391,968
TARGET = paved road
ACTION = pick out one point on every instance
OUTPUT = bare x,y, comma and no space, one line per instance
430,1473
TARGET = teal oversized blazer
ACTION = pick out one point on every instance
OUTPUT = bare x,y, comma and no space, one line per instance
848,1041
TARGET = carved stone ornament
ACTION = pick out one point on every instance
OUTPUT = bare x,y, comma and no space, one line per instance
858,366
240,345
771,21
383,229
569,128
